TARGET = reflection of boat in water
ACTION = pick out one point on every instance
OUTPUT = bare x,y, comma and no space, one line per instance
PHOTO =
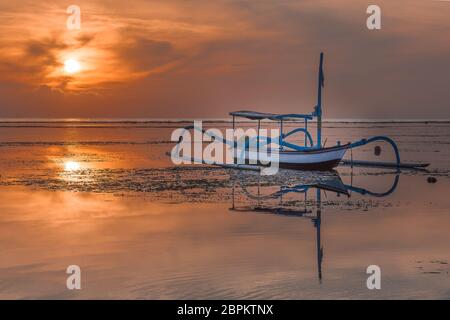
305,208
331,182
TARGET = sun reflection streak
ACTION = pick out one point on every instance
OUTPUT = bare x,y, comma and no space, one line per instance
71,166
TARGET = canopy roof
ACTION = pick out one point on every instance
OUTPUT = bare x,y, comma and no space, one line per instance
253,115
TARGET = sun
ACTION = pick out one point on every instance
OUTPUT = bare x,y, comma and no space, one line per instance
71,66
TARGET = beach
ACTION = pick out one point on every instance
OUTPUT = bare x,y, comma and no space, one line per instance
106,197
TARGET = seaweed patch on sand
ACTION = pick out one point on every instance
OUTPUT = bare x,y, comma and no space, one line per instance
191,184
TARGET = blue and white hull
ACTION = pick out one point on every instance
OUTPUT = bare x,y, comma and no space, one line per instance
315,159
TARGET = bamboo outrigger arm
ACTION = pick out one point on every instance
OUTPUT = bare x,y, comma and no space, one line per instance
363,142
398,164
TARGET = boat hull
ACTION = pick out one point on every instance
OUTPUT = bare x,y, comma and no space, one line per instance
320,166
321,159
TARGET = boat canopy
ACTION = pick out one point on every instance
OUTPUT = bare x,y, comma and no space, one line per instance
253,115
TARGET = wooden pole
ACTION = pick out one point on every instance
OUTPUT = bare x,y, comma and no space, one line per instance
319,103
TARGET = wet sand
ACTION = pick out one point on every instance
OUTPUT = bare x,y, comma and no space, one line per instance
140,227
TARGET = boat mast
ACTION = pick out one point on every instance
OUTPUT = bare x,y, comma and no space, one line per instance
318,109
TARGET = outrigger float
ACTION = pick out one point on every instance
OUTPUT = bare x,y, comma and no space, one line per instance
312,155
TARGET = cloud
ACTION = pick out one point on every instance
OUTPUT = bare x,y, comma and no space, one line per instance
146,55
84,39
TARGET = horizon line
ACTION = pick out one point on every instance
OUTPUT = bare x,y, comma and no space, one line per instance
208,119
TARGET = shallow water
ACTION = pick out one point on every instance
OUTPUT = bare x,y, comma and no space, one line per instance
107,198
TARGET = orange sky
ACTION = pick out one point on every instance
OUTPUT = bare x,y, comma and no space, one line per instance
204,58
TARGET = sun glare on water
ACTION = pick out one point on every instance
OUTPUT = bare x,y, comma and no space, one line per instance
71,66
71,166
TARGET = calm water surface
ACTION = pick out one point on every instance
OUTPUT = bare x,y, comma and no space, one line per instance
107,198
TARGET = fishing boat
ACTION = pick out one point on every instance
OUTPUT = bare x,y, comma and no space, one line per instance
291,156
312,155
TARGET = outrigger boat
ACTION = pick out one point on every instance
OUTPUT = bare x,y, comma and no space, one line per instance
310,156
292,156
